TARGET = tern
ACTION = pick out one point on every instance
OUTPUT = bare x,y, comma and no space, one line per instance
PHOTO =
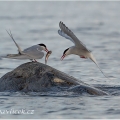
79,48
34,52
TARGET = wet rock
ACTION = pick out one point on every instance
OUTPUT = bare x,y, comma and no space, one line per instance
83,89
38,77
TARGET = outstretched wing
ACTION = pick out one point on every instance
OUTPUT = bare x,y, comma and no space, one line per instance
60,32
67,33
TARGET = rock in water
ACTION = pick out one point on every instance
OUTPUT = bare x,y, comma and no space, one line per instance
38,77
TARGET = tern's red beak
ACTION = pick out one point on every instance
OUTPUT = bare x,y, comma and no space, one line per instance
46,50
63,57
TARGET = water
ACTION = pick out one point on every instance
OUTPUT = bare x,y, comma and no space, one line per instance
96,24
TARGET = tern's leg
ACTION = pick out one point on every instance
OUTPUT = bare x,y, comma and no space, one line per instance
35,60
82,57
32,60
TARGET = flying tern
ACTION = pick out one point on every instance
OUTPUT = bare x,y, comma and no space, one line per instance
34,52
79,48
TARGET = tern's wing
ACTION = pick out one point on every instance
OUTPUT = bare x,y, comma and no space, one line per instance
19,49
35,51
25,56
34,54
60,32
68,33
18,56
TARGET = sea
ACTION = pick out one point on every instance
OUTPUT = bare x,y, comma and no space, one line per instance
96,24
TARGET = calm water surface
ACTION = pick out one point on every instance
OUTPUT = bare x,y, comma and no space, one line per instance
96,24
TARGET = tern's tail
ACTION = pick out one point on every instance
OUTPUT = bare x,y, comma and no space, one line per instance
12,56
16,56
94,60
8,56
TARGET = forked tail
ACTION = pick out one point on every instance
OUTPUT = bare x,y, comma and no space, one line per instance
19,49
94,60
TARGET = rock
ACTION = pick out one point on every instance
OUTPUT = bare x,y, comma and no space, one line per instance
38,77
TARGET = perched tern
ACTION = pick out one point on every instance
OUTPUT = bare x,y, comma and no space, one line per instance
32,53
79,48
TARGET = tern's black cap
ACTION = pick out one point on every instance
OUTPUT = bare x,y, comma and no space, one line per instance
65,51
42,45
